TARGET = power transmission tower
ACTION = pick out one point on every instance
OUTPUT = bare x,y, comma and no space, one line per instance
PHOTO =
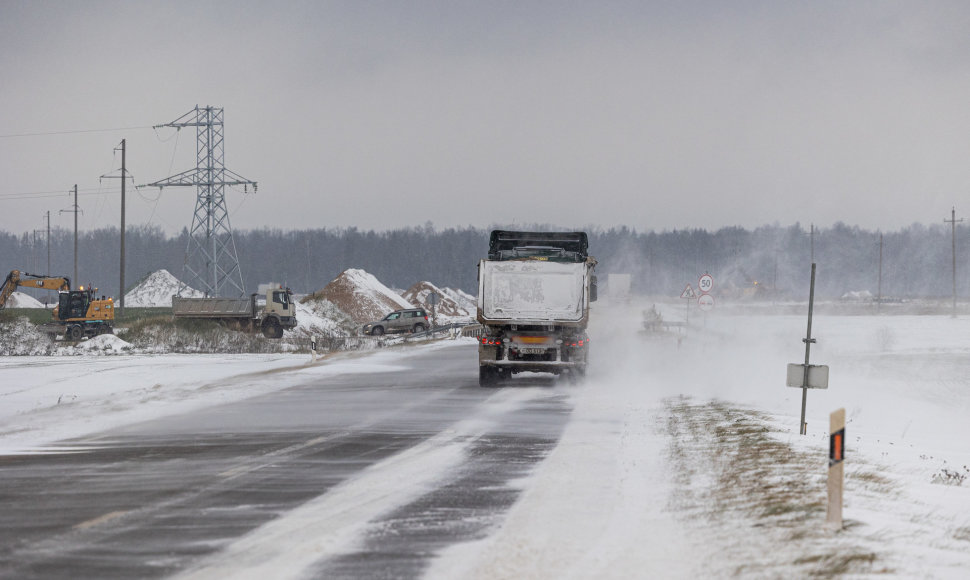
211,263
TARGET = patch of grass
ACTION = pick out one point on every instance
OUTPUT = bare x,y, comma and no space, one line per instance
962,534
869,480
832,565
732,469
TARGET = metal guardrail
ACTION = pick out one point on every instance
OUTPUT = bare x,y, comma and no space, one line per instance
356,342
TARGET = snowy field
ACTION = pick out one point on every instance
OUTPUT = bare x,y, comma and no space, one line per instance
680,460
649,480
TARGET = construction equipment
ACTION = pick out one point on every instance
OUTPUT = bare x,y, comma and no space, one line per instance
78,313
15,280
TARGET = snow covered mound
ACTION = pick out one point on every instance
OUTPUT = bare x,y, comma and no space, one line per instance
321,317
360,295
156,290
19,337
21,300
464,300
103,344
859,295
446,310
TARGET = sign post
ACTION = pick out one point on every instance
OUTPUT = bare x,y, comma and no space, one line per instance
689,295
812,376
706,301
433,301
836,470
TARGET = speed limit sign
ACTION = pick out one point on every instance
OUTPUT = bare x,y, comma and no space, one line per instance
705,284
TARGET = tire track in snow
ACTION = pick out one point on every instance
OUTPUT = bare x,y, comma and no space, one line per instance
334,523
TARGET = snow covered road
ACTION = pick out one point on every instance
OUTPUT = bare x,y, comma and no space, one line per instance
292,470
670,461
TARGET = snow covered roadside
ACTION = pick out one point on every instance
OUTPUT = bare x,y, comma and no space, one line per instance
48,399
686,462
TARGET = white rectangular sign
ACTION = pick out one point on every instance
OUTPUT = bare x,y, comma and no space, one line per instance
818,376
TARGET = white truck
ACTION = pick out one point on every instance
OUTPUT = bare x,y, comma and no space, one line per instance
534,295
272,318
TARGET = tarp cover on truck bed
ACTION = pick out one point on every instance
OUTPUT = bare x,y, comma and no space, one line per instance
533,290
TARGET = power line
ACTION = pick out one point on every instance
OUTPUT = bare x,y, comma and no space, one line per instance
46,194
70,132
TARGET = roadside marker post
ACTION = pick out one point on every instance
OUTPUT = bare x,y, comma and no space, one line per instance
836,470
313,349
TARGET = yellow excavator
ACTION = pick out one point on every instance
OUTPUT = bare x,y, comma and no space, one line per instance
78,313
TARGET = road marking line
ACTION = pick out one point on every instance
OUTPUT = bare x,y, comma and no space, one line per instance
100,520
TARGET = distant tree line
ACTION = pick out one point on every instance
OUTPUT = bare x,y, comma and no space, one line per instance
916,261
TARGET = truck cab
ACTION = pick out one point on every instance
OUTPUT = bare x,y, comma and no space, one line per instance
279,312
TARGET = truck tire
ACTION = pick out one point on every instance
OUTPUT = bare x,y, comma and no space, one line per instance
74,332
377,331
272,329
577,374
487,376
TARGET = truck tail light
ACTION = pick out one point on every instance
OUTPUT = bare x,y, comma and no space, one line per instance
490,341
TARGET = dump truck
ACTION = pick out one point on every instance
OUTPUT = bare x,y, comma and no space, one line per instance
534,295
78,313
270,310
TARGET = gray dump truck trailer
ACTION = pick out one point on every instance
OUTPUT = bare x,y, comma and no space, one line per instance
534,295
249,314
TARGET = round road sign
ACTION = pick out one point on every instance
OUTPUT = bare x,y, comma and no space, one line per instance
706,302
706,283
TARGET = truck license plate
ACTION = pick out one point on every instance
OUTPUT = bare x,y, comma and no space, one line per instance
533,351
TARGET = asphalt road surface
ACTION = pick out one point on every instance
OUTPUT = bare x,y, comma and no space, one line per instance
349,476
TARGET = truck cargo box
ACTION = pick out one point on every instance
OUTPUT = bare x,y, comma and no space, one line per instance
532,290
212,307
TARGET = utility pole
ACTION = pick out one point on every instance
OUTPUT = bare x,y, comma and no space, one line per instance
812,236
48,216
75,211
123,177
953,228
879,292
121,288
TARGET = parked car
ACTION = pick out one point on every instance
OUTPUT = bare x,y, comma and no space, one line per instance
406,320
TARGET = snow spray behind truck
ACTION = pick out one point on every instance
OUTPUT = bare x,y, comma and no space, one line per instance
534,293
278,313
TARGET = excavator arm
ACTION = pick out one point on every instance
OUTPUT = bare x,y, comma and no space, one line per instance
15,280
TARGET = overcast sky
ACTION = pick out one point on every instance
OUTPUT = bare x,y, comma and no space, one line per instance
653,115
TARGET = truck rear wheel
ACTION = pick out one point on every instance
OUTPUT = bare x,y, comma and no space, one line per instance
487,376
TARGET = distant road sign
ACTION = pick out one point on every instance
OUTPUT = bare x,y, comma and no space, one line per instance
818,376
706,302
688,292
706,283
